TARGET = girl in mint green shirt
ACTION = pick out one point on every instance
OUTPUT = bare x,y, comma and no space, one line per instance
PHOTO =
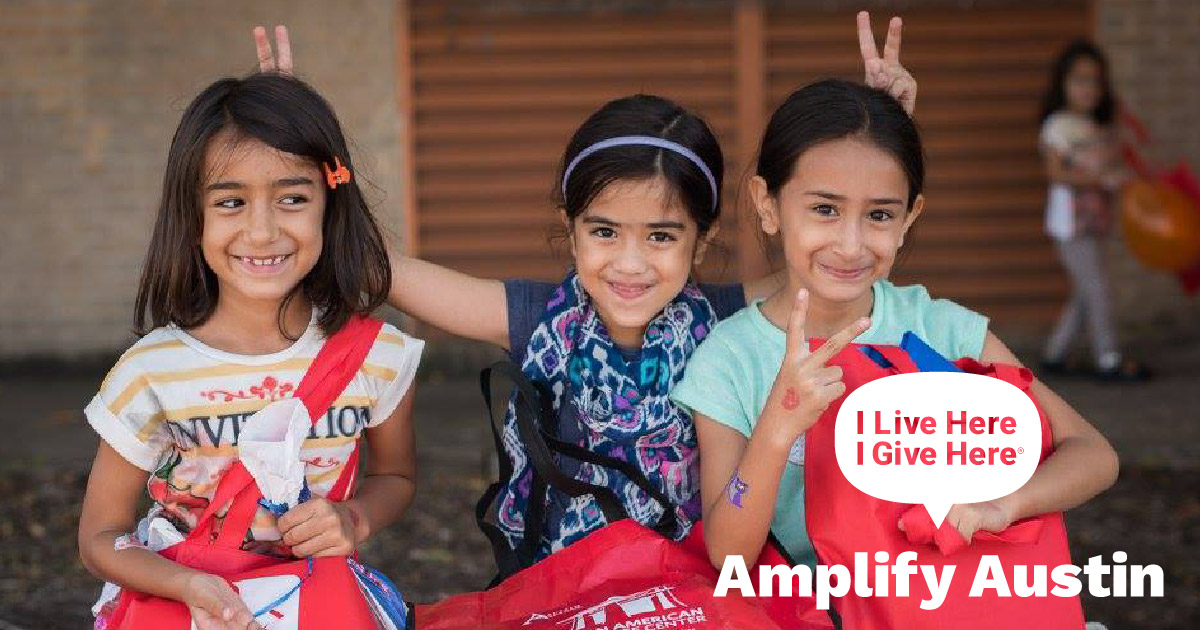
839,179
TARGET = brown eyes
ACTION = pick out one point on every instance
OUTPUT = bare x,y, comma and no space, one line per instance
654,237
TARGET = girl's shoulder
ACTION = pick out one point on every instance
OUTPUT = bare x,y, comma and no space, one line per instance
949,327
163,345
392,340
740,340
726,299
125,411
394,355
741,322
389,371
526,301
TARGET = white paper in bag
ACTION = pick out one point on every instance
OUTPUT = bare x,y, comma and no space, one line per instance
269,447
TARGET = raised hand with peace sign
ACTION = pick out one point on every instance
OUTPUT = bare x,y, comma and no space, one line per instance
269,61
806,385
886,73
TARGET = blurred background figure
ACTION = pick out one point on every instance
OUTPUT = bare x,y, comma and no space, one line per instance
1079,143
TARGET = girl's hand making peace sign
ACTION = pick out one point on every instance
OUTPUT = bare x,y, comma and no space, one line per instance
886,73
268,61
805,385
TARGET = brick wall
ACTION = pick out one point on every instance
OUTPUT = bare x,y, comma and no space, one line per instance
90,93
1156,72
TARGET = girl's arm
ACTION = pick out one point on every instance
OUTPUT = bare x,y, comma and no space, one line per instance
1082,465
1060,171
114,487
321,528
463,305
739,478
460,304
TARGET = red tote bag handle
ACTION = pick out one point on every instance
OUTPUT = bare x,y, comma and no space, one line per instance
328,375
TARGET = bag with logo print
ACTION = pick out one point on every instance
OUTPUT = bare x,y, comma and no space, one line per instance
843,520
624,575
327,592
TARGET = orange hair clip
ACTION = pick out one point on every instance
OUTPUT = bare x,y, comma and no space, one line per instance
340,175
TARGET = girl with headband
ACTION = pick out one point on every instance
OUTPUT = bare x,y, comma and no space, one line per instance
639,195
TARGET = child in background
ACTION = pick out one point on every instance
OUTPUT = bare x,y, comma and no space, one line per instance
839,178
262,248
1083,164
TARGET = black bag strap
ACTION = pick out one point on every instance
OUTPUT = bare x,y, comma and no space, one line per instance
527,404
667,522
529,417
535,419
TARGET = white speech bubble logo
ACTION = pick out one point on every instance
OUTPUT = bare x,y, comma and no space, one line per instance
938,438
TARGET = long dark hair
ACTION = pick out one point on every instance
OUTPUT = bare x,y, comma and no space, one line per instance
1056,93
832,109
644,115
352,274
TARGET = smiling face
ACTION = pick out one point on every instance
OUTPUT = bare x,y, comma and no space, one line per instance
634,247
842,218
263,212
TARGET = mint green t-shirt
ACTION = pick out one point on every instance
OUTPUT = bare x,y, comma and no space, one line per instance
730,375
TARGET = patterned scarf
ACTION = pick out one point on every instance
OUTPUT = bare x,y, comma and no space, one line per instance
617,409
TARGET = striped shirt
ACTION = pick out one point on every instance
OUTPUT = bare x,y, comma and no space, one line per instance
174,407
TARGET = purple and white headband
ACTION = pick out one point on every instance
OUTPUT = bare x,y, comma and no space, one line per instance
651,141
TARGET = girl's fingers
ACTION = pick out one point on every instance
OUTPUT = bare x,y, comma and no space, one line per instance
205,621
266,60
866,39
891,47
303,532
828,375
834,392
966,530
795,344
836,343
285,49
302,513
243,619
337,549
314,545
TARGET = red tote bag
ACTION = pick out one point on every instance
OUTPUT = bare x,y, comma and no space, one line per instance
842,520
624,575
291,595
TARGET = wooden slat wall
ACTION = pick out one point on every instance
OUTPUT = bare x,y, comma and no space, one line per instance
497,94
981,73
497,97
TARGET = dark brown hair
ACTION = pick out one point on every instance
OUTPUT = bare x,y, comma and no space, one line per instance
833,109
644,115
1055,97
352,274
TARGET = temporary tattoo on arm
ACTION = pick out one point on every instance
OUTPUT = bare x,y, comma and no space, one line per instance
791,399
737,489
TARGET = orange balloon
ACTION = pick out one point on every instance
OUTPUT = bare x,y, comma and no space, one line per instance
1161,225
